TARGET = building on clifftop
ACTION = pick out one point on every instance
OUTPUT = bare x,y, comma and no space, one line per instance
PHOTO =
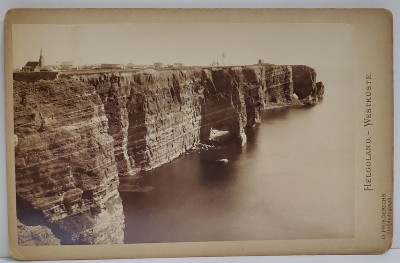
35,66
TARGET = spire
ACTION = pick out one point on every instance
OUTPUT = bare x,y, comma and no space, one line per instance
41,59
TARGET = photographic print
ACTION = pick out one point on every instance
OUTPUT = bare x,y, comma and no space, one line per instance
175,132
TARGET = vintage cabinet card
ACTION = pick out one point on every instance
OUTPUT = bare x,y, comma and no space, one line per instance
198,132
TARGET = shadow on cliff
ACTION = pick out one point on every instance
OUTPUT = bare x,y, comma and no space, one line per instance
30,216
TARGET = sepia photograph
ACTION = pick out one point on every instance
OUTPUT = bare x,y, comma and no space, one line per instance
183,132
145,133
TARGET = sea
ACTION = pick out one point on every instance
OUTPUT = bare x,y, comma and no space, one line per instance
294,179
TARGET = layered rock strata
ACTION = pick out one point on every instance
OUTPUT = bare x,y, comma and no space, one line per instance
36,235
64,160
156,115
77,134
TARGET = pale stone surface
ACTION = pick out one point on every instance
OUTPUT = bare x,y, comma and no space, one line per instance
35,235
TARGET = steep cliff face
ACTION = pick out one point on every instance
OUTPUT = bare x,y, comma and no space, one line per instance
77,134
154,116
36,235
235,97
319,91
304,81
64,159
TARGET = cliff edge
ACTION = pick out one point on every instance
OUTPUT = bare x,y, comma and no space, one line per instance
76,134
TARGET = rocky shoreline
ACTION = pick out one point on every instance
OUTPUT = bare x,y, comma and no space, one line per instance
77,134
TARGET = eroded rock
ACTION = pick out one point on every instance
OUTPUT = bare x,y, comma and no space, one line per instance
77,134
35,235
64,160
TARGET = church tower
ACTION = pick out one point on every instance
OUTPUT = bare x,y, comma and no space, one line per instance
41,59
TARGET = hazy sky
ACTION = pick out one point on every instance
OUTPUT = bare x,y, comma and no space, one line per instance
317,45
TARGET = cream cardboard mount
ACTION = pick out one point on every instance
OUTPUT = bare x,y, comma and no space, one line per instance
198,132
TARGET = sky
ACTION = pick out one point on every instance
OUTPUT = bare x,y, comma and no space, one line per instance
322,46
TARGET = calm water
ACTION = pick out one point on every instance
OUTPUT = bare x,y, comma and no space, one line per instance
292,180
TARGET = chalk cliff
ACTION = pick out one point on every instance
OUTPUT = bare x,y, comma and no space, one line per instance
76,134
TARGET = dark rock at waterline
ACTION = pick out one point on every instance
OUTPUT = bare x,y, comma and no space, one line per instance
222,161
